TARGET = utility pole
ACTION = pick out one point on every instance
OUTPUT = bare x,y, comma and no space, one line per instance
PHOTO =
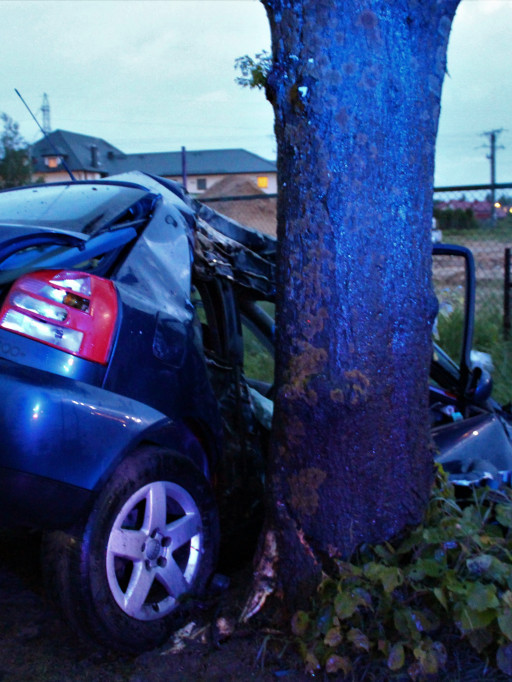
184,167
493,134
45,109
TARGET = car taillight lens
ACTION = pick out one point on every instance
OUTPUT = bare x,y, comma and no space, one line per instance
73,311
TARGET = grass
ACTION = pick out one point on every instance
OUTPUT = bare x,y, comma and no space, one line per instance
488,338
500,233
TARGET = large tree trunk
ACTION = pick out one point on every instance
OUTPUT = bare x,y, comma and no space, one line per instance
356,88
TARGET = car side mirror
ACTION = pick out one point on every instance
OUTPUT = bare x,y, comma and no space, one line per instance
480,389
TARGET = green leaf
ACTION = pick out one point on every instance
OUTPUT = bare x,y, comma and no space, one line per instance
430,567
396,658
324,620
455,585
384,552
311,663
480,639
441,597
482,597
505,623
430,656
389,576
480,564
404,625
346,569
427,659
365,598
504,515
346,603
467,620
358,639
490,567
336,663
333,637
504,658
300,623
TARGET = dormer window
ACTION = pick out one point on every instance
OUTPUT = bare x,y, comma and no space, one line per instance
52,161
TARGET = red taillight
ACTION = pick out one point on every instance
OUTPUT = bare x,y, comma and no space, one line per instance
73,311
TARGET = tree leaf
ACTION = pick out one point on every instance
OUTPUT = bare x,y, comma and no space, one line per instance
479,565
333,638
504,658
430,567
441,596
396,658
505,623
504,515
345,604
336,663
300,623
467,619
311,663
480,639
428,659
389,576
482,597
358,639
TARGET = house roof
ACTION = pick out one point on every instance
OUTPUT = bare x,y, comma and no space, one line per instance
77,151
83,152
201,162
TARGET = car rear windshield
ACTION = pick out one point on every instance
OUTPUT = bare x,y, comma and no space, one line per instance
74,207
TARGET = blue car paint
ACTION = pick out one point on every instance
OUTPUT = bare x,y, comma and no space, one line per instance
73,432
73,428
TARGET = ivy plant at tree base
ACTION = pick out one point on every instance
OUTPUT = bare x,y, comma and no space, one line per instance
396,602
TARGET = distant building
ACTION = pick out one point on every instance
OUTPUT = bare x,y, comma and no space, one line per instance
482,210
91,158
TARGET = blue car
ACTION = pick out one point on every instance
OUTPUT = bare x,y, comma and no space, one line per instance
136,363
128,429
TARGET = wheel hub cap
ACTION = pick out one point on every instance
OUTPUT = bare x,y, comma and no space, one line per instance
153,549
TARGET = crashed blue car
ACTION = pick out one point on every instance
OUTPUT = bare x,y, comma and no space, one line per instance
127,429
134,422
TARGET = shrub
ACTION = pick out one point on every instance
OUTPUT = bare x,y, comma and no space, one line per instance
396,602
456,219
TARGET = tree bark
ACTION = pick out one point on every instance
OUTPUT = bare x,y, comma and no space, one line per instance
356,89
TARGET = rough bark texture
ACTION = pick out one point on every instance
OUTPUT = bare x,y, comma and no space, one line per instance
356,87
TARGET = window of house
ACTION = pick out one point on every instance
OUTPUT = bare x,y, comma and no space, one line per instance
201,183
262,181
52,161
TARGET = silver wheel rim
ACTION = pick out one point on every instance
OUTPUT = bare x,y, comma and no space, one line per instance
154,550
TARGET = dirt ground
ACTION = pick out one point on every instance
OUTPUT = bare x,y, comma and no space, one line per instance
36,645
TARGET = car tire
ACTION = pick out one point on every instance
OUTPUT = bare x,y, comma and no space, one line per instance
149,545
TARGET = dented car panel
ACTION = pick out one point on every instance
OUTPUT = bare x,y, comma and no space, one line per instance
130,429
153,270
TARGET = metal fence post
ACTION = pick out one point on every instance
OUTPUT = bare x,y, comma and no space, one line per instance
506,295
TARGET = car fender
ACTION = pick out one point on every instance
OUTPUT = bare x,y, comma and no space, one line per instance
76,433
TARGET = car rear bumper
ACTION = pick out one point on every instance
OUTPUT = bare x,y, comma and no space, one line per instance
30,500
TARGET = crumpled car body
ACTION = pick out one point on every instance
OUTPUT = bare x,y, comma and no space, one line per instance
127,424
132,431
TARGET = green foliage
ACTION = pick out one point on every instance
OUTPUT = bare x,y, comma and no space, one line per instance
15,167
254,70
455,219
395,602
487,337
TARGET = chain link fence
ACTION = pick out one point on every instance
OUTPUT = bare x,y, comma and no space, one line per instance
478,217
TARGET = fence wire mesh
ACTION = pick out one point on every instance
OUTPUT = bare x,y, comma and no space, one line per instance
478,217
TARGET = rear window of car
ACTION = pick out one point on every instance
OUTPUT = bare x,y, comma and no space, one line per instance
75,207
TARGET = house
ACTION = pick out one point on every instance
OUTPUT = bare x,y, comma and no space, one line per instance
91,158
481,210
